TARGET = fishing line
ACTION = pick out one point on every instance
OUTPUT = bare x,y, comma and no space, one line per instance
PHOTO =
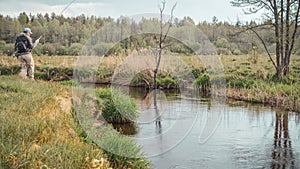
67,6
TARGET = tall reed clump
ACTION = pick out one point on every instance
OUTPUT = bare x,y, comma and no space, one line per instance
38,130
203,82
116,107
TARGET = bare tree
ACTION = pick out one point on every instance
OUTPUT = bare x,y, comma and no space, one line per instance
284,18
162,38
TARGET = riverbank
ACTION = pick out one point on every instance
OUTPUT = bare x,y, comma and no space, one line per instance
256,83
39,130
246,79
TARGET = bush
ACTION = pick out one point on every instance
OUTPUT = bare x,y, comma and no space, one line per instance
74,49
38,50
2,45
9,70
62,50
101,49
168,80
9,49
116,107
197,72
203,81
49,49
222,43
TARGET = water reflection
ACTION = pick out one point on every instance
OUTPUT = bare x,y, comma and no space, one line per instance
282,153
249,135
158,115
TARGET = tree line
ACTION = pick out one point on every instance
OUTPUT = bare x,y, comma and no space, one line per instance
67,35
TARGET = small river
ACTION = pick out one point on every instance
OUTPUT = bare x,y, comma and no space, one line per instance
183,133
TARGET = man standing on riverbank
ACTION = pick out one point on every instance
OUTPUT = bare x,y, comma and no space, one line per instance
23,48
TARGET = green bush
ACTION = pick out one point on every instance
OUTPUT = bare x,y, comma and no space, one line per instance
38,50
8,49
197,72
9,70
41,75
74,49
116,107
203,81
49,49
168,80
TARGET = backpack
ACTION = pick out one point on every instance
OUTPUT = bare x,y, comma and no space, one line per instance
21,44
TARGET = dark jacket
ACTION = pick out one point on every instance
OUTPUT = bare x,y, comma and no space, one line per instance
27,40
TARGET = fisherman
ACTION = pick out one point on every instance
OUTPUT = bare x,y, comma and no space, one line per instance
23,48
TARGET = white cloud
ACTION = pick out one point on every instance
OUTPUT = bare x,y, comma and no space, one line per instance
88,9
75,9
199,10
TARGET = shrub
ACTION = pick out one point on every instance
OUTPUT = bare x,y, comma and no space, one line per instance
49,49
38,50
168,80
8,49
204,82
75,49
116,107
9,70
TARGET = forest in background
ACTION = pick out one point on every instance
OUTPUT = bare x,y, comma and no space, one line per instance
67,35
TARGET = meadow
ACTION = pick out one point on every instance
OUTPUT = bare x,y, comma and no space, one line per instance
39,130
248,78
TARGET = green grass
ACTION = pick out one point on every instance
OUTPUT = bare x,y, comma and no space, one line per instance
116,107
242,74
257,82
37,131
121,151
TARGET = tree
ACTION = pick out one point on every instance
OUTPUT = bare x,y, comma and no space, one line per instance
161,39
23,19
284,17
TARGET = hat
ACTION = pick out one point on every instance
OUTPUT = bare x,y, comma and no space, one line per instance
27,30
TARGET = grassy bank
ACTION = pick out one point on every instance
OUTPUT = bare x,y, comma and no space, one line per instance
39,130
247,79
256,82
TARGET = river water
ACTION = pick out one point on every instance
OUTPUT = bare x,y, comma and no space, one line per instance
184,133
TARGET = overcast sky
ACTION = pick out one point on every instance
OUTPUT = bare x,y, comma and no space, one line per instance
198,10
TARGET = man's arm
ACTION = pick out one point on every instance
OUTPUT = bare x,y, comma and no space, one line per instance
36,42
